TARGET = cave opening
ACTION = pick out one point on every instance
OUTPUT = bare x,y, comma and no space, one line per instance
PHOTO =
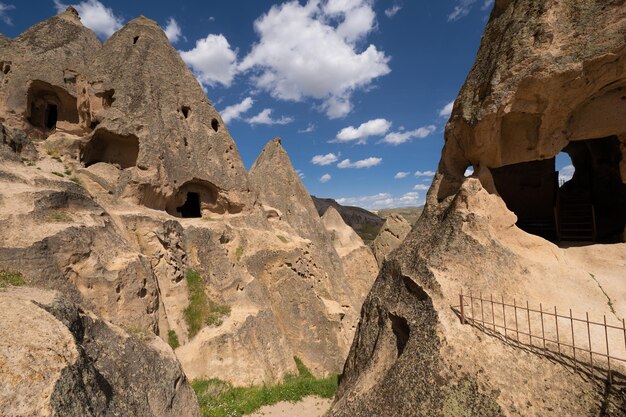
111,148
52,114
191,208
47,105
583,202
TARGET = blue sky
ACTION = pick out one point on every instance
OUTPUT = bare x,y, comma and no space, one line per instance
357,89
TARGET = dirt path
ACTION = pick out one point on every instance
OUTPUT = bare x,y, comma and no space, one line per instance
308,407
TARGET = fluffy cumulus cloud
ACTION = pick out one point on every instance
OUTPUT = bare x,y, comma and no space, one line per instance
372,161
383,201
447,110
397,138
463,8
376,127
265,118
301,44
300,173
566,173
419,174
172,30
325,178
212,60
401,175
95,16
469,172
393,10
327,159
235,111
421,187
4,8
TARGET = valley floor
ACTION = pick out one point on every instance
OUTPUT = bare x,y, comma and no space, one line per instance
309,407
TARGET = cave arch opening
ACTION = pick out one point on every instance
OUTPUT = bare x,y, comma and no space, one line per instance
584,202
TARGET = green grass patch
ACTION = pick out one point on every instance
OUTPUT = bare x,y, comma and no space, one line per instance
220,399
57,158
239,252
68,172
201,311
172,339
282,238
11,279
75,180
59,217
138,332
58,174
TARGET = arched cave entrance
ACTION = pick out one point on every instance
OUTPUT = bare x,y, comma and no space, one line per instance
47,105
109,147
589,207
193,198
191,208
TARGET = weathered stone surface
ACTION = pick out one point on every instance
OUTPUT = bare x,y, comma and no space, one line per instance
359,263
545,75
391,235
71,363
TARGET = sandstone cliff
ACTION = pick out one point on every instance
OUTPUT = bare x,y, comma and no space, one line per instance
126,180
548,77
390,236
59,360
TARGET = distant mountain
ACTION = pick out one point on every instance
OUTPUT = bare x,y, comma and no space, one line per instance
411,214
364,222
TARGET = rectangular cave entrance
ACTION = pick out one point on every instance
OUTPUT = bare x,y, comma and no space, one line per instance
586,206
48,105
191,208
111,148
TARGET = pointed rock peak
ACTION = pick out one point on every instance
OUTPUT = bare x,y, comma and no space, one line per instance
332,215
273,154
71,15
143,21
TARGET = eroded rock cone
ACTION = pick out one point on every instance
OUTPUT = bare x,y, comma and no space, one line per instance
390,236
545,79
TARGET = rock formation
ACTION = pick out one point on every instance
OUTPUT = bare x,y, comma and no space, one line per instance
364,222
126,181
549,76
59,360
391,235
358,260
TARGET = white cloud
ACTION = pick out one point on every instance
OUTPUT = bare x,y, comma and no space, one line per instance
447,110
172,30
424,173
325,178
363,163
324,159
469,172
566,173
397,138
4,8
95,16
233,112
300,174
265,118
212,60
376,127
391,12
421,187
401,175
383,201
310,128
300,45
464,7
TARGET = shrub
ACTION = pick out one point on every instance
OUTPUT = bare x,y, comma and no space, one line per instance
58,174
282,238
239,252
59,217
11,279
172,339
201,311
220,399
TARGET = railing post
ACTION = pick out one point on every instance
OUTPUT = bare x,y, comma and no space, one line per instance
543,332
590,349
558,341
462,308
571,319
608,354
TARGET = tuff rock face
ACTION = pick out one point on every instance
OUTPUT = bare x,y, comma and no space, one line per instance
390,236
548,75
71,363
117,176
358,260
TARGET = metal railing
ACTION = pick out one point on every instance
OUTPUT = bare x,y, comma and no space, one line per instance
584,341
